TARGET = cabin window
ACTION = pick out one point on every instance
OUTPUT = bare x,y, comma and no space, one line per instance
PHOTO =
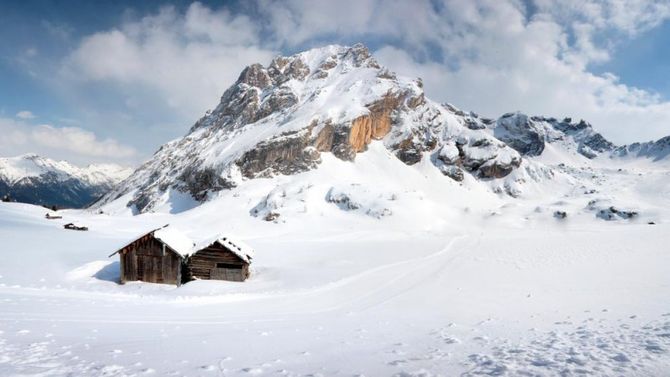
228,265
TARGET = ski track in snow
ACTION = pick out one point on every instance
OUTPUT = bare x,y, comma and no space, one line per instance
589,347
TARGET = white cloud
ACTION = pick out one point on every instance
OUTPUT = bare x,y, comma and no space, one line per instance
626,16
71,143
494,56
79,141
187,59
25,114
491,56
514,63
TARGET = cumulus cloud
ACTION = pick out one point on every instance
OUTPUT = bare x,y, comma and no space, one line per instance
189,59
79,141
525,62
500,56
71,143
490,56
25,114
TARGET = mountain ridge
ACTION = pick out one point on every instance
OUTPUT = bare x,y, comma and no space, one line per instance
279,119
33,179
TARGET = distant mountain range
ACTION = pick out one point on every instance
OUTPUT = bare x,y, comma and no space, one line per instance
279,119
33,179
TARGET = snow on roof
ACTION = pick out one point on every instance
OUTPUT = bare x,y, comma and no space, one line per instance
237,247
184,246
125,244
176,240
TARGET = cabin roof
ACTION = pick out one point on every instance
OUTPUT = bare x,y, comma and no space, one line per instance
172,238
237,247
176,240
184,245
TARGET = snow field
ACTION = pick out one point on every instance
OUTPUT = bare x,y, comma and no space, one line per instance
456,280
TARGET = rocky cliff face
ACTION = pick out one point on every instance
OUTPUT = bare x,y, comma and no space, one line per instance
280,119
529,135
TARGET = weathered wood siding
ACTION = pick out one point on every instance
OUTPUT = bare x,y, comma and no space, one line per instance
217,263
147,260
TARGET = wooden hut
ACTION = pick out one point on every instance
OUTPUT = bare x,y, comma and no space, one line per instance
155,257
220,259
167,256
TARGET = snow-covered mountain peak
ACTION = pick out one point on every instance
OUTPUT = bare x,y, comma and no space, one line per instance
279,118
36,179
302,79
33,165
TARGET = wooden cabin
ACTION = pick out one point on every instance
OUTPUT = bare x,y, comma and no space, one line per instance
220,259
166,256
156,257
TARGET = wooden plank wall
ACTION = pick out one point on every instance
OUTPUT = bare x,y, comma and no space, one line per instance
144,260
202,265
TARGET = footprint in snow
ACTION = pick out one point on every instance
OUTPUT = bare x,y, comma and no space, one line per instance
620,357
653,347
395,363
252,371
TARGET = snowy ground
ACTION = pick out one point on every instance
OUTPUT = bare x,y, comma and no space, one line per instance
474,284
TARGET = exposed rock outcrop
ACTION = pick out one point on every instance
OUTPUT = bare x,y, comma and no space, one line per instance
285,154
613,213
521,133
655,150
376,124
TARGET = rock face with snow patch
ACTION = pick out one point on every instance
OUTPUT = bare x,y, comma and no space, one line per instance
655,150
529,135
521,133
279,119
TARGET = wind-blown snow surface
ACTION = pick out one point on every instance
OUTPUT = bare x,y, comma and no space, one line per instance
395,270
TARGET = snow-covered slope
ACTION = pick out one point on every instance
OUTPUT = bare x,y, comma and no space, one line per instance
33,179
387,270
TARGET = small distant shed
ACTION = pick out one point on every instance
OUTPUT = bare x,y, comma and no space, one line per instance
221,259
155,257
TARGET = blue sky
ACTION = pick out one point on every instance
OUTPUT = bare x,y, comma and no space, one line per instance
111,81
643,62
